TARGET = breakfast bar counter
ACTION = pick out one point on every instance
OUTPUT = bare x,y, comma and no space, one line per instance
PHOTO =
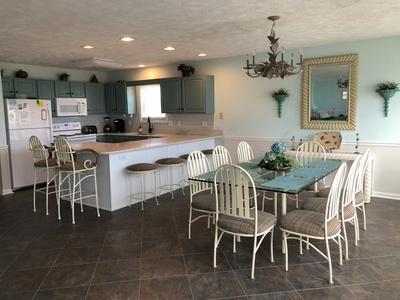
112,178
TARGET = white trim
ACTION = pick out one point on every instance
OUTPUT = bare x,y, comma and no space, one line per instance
386,195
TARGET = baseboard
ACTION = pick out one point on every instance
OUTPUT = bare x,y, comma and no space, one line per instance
386,195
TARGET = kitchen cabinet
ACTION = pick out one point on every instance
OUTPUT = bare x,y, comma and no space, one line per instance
66,89
14,86
8,87
95,97
46,91
188,95
117,100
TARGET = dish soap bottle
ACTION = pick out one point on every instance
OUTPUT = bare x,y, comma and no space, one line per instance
140,128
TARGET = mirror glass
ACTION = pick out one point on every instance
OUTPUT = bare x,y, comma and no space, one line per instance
330,93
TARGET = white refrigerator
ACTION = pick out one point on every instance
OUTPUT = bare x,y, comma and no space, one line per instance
24,118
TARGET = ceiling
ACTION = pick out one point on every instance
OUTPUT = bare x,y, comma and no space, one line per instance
51,33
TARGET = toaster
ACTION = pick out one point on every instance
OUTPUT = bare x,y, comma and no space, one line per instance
89,129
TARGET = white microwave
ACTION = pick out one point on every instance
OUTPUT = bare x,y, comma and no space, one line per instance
71,107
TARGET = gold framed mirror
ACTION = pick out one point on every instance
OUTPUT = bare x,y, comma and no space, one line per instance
329,99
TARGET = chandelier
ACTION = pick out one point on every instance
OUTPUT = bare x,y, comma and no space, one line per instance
273,68
342,84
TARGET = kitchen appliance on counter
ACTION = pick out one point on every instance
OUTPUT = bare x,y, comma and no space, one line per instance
24,118
89,129
107,127
119,125
72,131
66,107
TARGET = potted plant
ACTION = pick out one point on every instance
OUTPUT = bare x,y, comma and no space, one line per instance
387,89
276,158
186,70
64,76
280,96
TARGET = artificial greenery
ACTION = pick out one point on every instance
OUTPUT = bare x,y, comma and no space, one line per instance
63,76
186,69
281,92
387,85
276,159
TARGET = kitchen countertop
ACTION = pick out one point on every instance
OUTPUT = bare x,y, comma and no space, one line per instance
153,141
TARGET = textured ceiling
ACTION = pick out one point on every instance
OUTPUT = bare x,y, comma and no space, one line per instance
51,33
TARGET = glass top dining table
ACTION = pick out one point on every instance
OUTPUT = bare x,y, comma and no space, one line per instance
292,181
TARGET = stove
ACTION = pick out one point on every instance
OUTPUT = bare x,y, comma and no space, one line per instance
72,131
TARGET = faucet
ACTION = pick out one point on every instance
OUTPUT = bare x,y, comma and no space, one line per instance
150,125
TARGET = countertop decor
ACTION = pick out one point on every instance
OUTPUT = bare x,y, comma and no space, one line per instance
387,89
276,159
64,76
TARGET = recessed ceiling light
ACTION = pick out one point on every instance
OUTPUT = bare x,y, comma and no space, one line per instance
88,47
126,39
141,66
169,48
202,54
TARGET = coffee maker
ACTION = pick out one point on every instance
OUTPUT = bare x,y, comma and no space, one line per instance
119,125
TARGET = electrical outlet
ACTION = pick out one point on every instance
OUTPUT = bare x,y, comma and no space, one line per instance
97,122
221,115
130,122
178,123
170,123
204,123
122,157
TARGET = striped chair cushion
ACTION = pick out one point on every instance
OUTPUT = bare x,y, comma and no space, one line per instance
324,192
309,223
52,162
246,226
204,202
317,204
360,198
349,211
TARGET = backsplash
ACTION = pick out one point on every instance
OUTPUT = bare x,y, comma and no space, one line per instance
189,122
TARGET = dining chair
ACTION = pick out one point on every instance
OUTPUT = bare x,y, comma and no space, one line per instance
305,153
245,154
43,163
348,213
235,214
220,156
202,199
306,225
72,173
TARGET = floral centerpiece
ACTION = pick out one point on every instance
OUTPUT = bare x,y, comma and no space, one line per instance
276,158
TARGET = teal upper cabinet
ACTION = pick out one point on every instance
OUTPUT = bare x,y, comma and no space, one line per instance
188,95
117,101
46,91
8,87
14,86
95,97
66,89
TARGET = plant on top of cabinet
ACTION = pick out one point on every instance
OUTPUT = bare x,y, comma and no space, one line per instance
21,74
186,70
64,76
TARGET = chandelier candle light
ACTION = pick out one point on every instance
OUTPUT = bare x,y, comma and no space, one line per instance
273,68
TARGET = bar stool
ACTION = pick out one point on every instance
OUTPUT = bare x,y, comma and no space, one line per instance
185,158
208,153
171,163
141,170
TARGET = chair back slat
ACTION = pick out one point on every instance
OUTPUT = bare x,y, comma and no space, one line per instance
244,152
361,172
234,186
64,152
197,164
332,205
349,185
220,156
310,151
38,151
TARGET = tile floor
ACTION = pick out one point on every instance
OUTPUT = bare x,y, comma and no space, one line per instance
130,254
